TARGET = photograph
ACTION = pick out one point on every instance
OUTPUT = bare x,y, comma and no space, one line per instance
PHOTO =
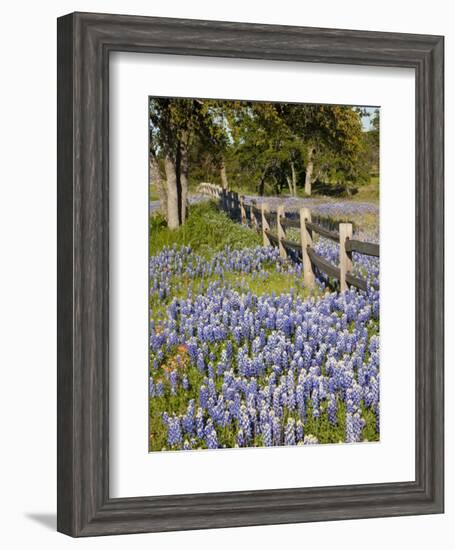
224,267
264,293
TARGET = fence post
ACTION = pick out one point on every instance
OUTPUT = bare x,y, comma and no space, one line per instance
345,257
242,210
254,222
236,205
231,202
265,224
281,232
306,241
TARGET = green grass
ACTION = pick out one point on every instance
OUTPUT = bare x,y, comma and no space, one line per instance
269,282
153,193
272,281
207,230
368,193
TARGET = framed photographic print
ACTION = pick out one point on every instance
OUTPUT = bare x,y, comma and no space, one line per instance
250,252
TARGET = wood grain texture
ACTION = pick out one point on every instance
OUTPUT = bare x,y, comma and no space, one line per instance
370,249
335,237
84,43
65,303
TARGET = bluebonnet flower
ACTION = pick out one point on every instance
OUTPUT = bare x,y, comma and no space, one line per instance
276,430
200,362
267,434
376,412
240,438
289,432
211,370
261,357
245,423
299,431
315,403
174,432
173,381
203,396
210,435
200,424
188,418
332,409
354,425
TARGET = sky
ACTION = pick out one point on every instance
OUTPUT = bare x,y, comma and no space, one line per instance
366,120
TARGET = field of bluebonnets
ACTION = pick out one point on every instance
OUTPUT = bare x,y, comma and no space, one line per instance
242,354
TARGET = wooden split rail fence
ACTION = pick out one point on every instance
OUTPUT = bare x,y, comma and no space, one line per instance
262,218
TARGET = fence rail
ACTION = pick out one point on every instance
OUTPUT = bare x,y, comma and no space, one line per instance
323,231
260,219
289,222
362,247
323,264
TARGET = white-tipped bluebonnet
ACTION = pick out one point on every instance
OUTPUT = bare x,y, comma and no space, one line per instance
173,377
174,432
267,434
259,359
289,432
200,424
299,431
210,435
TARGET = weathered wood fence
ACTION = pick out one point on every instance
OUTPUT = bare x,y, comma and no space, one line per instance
263,218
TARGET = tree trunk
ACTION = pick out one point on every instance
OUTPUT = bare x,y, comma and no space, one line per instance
184,170
223,175
261,187
293,181
157,178
276,186
173,220
309,171
289,181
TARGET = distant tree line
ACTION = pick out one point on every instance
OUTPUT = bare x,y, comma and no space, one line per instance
256,147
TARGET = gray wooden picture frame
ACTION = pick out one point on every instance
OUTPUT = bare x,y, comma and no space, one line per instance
85,41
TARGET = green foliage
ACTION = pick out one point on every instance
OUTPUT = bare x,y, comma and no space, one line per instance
368,192
153,193
266,148
342,158
207,230
372,143
175,120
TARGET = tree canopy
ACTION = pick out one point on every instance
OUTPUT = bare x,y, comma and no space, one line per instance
262,148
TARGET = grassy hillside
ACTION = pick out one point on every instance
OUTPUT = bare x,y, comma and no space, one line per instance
207,230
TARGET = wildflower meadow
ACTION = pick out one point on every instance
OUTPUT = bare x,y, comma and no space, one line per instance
242,354
246,348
